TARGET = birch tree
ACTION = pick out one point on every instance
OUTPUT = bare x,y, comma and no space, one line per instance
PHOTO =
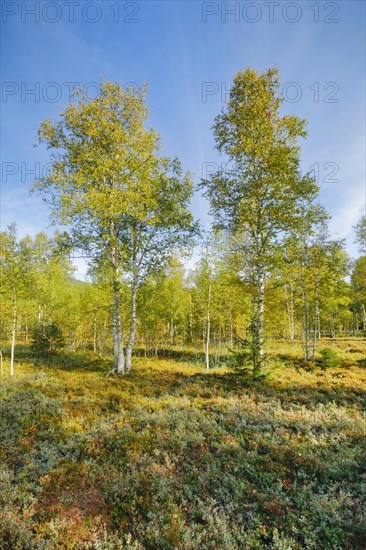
13,279
360,230
359,275
358,282
106,180
204,285
264,195
166,229
315,266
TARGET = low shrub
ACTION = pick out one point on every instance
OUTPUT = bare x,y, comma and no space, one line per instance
47,339
328,359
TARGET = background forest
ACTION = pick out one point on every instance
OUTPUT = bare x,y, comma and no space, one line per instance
44,306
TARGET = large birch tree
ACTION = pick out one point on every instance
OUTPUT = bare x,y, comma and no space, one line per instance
264,195
125,204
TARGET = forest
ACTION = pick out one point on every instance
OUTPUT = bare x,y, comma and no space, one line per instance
204,387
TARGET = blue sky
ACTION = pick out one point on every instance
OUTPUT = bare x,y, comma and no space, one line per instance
188,52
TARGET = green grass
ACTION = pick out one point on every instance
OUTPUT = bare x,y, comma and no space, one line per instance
171,457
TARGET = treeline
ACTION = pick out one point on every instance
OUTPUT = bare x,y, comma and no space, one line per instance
206,309
268,268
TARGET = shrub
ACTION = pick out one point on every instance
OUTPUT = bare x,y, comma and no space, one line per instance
328,359
172,458
242,359
47,339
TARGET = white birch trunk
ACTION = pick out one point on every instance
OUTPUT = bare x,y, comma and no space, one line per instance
258,322
306,328
131,338
119,360
13,333
208,328
316,319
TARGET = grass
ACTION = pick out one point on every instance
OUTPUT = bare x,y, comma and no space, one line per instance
171,457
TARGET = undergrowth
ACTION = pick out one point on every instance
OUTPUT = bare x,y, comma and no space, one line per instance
171,457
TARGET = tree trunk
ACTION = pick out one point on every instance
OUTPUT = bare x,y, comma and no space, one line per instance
355,324
171,330
119,359
190,318
95,334
331,326
306,328
290,312
257,327
316,320
131,337
102,338
208,328
231,340
13,334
